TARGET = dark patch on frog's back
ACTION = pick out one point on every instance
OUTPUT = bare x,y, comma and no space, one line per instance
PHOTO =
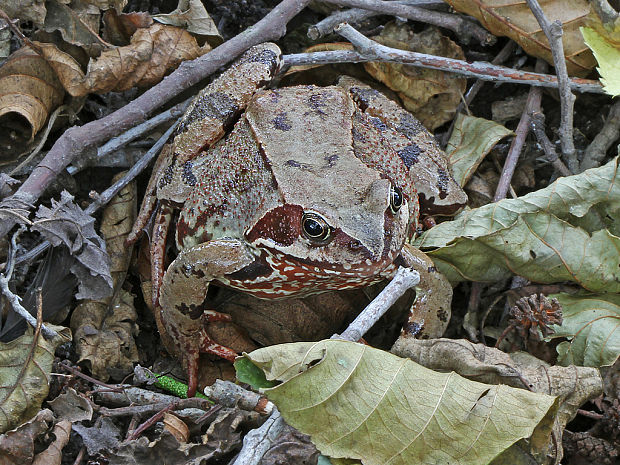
188,175
410,126
281,224
266,57
410,154
281,122
363,96
216,105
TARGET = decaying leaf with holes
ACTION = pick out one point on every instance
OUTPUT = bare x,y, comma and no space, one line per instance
105,329
431,95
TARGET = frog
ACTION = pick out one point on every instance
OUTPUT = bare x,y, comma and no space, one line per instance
288,192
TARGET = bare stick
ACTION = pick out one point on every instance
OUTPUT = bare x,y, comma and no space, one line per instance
533,104
464,28
137,131
259,440
404,279
537,124
610,133
554,33
356,15
76,139
369,50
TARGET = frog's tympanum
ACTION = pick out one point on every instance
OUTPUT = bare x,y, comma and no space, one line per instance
291,192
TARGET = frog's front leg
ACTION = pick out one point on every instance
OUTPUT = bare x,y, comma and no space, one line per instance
430,313
182,295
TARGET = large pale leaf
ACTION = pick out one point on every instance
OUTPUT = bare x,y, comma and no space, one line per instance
471,139
592,325
25,366
360,402
554,234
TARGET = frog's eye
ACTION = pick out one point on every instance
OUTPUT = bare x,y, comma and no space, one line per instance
315,227
396,198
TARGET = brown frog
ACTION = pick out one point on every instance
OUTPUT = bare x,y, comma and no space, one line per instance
312,189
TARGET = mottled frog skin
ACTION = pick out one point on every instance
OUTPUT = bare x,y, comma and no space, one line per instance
291,192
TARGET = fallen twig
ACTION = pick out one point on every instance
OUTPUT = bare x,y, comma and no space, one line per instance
610,133
357,15
78,138
404,279
259,440
533,105
464,28
369,50
554,33
137,131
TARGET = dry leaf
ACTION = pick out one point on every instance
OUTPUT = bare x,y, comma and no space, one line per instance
431,95
151,54
118,28
71,406
65,223
17,446
105,329
25,10
177,427
22,390
515,20
53,454
192,16
78,24
30,88
117,5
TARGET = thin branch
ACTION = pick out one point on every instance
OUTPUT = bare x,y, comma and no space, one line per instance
356,16
137,131
537,125
403,280
554,33
533,104
464,28
76,139
369,50
595,153
258,441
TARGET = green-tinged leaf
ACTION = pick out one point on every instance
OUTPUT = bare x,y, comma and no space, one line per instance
363,403
608,57
471,140
535,236
249,373
592,325
24,375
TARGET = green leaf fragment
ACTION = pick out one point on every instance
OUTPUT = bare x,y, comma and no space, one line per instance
608,57
362,403
249,373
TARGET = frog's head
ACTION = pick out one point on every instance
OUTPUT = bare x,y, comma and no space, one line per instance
333,225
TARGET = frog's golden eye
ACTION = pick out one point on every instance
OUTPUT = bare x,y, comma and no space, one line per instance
315,227
396,198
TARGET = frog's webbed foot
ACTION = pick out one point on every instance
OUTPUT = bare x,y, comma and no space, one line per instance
430,313
182,295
